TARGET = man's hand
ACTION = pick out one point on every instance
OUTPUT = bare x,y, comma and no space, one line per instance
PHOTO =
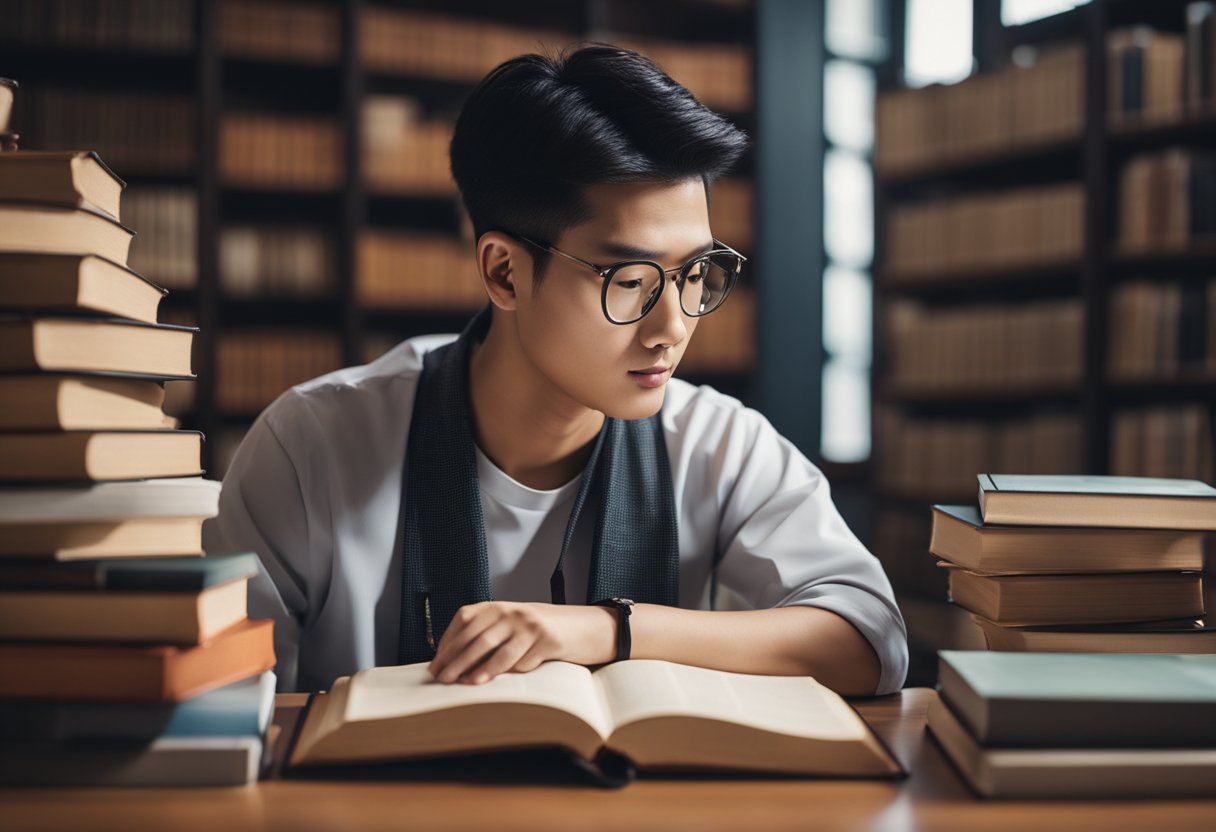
495,637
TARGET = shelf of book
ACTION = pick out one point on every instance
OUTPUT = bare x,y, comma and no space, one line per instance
1198,386
1040,280
295,85
284,311
1191,259
986,163
1139,348
94,67
1192,127
973,396
276,136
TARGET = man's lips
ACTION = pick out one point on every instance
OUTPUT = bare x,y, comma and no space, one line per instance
652,377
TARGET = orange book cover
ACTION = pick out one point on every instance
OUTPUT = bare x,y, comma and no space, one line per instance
135,673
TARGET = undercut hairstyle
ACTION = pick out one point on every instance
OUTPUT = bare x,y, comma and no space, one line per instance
539,128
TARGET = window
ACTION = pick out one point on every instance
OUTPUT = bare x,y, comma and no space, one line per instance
1017,12
855,44
938,42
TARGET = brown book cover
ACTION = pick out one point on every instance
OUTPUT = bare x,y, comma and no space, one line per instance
63,402
69,178
961,537
1177,636
1072,773
1078,599
29,227
76,282
137,617
99,455
109,345
134,537
114,673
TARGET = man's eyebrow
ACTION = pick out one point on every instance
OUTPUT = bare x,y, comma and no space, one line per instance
628,252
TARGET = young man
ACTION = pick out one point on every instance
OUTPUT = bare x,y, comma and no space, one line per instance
541,487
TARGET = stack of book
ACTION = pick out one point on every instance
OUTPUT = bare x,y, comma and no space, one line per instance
1078,726
1081,563
125,657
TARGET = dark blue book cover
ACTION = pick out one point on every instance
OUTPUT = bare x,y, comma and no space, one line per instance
182,574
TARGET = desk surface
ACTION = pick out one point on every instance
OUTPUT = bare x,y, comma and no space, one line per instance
932,798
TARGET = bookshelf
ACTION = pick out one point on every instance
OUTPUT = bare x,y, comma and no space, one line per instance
285,157
1129,387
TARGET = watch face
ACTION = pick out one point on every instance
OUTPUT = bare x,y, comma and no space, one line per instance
626,601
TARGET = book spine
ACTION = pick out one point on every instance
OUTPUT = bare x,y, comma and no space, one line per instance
195,762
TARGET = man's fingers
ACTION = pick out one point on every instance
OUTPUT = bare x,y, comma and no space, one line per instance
466,625
476,649
505,658
531,660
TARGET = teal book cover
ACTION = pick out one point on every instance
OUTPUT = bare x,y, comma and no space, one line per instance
1082,699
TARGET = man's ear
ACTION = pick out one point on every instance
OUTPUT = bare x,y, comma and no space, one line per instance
501,261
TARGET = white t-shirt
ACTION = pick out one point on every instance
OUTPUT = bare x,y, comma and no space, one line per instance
315,490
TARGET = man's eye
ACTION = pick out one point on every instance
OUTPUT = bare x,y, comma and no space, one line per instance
629,284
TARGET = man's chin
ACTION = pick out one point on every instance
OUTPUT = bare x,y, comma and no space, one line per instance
637,407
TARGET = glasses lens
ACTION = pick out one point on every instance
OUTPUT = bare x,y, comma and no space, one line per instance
708,283
631,290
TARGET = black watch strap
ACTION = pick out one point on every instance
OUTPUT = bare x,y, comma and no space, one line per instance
624,637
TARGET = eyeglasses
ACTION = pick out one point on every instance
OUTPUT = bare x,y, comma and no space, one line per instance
633,287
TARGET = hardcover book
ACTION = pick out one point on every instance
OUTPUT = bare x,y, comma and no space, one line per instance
1073,773
961,536
136,537
104,520
76,283
657,715
1082,699
166,761
124,616
101,502
154,575
1108,502
241,709
42,228
70,178
1078,599
108,345
93,402
135,673
99,455
1170,636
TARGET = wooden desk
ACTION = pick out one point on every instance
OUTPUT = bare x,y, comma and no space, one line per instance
933,798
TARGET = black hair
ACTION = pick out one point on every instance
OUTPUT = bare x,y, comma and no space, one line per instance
539,128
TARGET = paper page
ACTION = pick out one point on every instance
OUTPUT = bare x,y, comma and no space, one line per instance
405,690
795,705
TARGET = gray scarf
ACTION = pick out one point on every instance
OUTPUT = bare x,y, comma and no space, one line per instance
635,552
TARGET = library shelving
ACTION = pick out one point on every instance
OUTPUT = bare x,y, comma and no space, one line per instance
284,158
1091,100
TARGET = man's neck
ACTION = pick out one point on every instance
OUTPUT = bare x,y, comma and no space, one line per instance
534,434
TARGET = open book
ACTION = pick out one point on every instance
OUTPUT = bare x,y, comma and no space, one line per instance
657,714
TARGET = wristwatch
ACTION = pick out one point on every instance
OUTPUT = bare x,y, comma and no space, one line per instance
624,639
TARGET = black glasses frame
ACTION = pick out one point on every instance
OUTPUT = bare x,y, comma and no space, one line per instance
606,273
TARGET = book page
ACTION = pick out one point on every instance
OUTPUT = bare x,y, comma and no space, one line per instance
794,705
387,692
